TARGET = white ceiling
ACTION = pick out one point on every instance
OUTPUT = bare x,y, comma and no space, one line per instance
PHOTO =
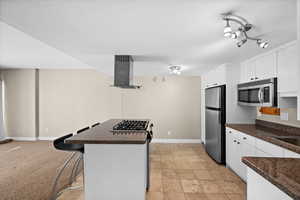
156,32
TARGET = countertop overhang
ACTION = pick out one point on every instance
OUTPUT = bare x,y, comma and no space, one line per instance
102,134
282,172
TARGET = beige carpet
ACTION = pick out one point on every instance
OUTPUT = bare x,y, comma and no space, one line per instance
27,170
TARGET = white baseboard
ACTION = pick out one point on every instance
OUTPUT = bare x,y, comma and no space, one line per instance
23,138
47,138
159,140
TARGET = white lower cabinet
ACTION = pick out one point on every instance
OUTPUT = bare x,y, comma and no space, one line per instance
259,188
269,149
246,150
236,148
240,145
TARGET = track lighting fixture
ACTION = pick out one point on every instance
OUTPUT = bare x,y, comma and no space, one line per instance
241,34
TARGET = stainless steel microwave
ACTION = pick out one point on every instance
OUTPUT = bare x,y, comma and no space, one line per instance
258,93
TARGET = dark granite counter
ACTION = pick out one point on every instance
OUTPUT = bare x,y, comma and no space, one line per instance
266,130
282,172
102,134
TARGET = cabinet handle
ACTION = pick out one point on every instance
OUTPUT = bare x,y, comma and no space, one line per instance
238,142
256,78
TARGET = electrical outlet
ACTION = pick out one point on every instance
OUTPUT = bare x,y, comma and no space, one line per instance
284,116
169,133
46,130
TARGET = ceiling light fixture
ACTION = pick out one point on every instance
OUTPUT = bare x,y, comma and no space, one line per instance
175,70
241,34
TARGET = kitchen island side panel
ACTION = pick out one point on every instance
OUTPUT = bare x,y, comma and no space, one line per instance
115,171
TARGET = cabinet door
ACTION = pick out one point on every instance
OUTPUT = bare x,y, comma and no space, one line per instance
229,148
265,67
269,148
260,153
246,150
288,69
236,167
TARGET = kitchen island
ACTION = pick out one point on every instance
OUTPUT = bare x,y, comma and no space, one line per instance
115,163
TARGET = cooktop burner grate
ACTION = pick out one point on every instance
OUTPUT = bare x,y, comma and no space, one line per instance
131,125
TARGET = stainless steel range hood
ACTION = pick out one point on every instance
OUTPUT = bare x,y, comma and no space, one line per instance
123,76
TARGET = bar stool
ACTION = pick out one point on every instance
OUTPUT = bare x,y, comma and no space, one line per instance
94,125
80,158
60,144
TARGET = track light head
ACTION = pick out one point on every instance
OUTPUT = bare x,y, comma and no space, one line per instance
227,30
241,42
262,44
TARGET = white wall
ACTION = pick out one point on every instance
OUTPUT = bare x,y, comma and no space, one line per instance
19,102
236,113
172,104
292,114
72,99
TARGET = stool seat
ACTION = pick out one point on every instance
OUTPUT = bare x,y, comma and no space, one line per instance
60,144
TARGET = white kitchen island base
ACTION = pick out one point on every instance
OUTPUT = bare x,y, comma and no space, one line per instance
115,171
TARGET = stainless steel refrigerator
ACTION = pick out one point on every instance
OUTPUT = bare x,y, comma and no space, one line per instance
215,119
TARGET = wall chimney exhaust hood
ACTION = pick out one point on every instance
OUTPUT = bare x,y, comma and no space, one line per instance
123,76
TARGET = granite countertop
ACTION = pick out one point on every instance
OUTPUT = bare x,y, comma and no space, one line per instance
265,130
102,134
282,172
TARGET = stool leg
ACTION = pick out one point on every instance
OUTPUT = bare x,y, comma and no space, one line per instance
76,169
73,170
53,193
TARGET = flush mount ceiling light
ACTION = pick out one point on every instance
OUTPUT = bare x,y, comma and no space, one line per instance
175,70
240,35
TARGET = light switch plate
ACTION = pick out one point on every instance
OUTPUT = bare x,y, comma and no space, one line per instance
284,116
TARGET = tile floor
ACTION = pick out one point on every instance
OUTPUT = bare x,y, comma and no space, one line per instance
184,172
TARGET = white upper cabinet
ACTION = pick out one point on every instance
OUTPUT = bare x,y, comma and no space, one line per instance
262,67
288,70
265,67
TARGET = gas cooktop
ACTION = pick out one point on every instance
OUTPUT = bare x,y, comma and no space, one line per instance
131,125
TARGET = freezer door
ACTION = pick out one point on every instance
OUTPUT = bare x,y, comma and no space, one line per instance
213,97
213,134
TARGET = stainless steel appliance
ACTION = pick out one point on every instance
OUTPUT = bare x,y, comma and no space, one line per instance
215,119
258,93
